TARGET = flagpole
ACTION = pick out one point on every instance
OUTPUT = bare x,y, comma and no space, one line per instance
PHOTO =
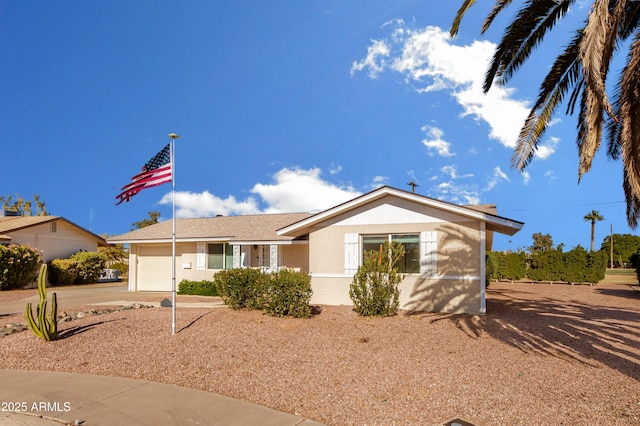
173,137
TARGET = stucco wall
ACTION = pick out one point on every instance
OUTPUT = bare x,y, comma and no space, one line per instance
61,244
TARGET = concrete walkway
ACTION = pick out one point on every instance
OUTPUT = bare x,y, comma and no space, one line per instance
45,398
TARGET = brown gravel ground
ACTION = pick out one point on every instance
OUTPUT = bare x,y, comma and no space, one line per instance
543,355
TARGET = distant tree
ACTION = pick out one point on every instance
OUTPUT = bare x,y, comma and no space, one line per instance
541,242
593,216
153,218
624,247
114,253
22,206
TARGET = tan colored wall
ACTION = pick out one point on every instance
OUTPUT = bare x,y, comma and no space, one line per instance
416,295
458,246
296,256
61,244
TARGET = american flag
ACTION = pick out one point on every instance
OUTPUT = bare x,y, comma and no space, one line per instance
155,172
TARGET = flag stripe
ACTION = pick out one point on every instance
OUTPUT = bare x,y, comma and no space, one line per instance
155,172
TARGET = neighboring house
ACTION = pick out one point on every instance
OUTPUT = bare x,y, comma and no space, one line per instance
445,245
55,236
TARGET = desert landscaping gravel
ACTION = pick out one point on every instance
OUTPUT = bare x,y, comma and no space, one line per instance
543,355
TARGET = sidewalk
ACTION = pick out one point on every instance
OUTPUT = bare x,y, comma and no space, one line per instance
45,398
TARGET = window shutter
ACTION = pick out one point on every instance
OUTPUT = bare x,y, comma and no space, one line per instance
237,263
201,256
351,253
428,253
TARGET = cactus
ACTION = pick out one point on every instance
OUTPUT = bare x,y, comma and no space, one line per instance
43,326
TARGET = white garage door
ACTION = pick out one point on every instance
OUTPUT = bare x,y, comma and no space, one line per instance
154,268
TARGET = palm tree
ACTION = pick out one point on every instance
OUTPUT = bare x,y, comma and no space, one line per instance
593,216
580,70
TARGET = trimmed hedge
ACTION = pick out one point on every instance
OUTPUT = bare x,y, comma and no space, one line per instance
285,293
288,294
197,288
63,272
89,266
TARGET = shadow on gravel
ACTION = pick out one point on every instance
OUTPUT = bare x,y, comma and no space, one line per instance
72,331
569,330
194,321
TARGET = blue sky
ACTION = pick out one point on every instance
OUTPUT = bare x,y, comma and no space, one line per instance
281,106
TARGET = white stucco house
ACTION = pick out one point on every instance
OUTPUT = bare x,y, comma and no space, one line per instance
445,245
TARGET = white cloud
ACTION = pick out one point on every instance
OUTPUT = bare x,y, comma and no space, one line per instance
205,204
497,176
299,190
292,190
544,151
435,143
526,177
374,61
459,194
452,172
378,181
428,57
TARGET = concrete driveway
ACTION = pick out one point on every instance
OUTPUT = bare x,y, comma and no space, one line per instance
107,294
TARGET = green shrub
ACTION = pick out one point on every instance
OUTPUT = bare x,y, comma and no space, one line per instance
63,272
241,288
89,265
122,267
288,294
374,290
18,266
197,288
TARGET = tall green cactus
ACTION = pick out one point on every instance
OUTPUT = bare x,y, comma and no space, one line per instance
43,326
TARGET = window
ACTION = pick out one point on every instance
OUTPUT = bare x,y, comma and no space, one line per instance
220,256
53,227
410,262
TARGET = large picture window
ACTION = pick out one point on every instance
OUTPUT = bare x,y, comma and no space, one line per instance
220,256
410,262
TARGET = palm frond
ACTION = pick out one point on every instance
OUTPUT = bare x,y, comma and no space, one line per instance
629,134
590,124
499,7
455,26
564,74
597,46
522,36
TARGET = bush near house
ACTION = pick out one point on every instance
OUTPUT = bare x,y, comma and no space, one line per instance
288,294
197,288
18,266
82,267
63,272
374,290
89,266
285,293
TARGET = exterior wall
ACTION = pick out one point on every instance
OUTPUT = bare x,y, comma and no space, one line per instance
61,244
457,284
152,271
416,294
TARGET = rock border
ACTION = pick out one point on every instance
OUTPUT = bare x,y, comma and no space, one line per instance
63,317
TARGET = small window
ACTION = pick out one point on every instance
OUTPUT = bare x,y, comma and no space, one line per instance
410,262
53,226
220,256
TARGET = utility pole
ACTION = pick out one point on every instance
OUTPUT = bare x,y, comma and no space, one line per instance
413,185
611,242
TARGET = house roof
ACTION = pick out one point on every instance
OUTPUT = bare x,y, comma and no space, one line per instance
249,229
9,224
483,213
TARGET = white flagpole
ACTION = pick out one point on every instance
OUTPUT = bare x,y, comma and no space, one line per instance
173,137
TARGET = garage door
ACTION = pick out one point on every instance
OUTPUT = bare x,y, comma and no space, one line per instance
154,268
